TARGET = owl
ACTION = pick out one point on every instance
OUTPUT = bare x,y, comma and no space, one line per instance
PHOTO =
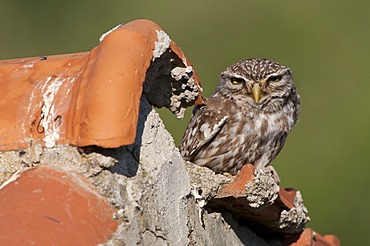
246,119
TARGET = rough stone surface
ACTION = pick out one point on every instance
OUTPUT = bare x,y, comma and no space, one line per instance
265,188
169,84
150,186
296,218
204,182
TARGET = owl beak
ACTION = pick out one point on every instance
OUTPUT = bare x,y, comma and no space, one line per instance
256,90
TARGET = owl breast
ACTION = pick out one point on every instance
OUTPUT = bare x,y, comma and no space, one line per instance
248,136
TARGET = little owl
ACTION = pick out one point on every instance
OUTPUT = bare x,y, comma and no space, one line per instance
246,120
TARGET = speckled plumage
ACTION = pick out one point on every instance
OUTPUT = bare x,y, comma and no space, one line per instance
233,128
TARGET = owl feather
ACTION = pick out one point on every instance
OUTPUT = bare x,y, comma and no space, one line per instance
245,120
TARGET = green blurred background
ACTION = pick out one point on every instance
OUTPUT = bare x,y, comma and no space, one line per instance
326,43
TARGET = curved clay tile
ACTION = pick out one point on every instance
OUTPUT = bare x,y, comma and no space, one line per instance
235,197
47,205
89,98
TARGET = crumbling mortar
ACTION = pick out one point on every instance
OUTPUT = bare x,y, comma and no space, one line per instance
295,219
169,83
265,188
204,179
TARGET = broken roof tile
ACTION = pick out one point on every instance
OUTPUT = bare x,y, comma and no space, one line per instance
283,215
89,98
46,199
310,237
236,198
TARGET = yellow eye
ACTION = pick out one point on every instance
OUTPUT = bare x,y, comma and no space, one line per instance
276,78
236,81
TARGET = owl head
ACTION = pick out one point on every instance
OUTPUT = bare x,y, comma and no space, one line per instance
256,80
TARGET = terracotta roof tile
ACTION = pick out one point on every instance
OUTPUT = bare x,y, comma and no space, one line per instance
310,237
235,198
89,98
46,199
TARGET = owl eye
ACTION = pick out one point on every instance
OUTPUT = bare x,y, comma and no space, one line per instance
237,81
275,78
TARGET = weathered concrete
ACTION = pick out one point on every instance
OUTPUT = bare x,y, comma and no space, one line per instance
150,185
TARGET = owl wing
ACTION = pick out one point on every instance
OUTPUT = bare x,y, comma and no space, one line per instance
205,124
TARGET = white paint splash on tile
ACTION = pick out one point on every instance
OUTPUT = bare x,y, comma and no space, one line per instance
48,113
28,66
161,45
29,110
107,33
